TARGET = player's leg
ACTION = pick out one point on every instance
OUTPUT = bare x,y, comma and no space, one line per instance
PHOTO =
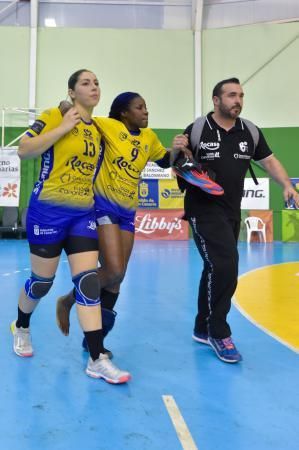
45,251
36,286
110,274
83,264
112,242
116,239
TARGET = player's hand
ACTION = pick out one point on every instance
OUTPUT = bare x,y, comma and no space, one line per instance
70,120
180,141
64,107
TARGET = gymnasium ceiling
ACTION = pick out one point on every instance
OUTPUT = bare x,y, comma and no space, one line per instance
154,14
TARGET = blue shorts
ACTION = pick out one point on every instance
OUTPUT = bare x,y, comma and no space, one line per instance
42,229
106,217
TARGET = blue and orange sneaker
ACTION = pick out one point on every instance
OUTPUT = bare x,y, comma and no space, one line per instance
193,173
202,338
225,349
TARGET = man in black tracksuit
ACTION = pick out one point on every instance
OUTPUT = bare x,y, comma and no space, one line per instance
226,146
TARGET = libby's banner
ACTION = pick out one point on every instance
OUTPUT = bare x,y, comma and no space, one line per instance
256,196
161,224
10,178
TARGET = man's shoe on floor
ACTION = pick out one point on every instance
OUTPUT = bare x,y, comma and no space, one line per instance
104,368
225,349
202,338
21,340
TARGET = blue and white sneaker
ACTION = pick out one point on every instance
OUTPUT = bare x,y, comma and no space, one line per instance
225,349
202,338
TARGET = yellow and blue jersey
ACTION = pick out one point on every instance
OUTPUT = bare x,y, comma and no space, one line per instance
68,168
125,156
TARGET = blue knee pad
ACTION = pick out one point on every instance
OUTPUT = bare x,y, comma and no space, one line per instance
37,287
87,288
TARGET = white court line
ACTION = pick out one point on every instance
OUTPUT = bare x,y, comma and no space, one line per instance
7,274
179,423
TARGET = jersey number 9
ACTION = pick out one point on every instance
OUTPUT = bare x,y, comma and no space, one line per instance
134,154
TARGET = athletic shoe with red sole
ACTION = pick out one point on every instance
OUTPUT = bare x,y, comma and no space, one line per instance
193,173
104,368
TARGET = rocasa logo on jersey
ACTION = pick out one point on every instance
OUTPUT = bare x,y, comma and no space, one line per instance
84,167
148,224
211,146
127,166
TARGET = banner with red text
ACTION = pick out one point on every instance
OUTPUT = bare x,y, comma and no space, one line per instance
161,224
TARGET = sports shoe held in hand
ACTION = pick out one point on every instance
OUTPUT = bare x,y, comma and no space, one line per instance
193,173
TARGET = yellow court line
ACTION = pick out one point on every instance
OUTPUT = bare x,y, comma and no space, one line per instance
268,297
179,423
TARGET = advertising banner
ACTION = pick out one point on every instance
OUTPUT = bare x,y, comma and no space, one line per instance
170,196
153,171
9,177
148,194
290,225
256,196
161,224
290,218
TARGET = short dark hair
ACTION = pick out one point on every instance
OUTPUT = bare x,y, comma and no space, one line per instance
121,103
218,88
75,77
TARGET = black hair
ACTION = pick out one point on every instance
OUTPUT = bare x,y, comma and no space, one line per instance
121,103
217,91
75,77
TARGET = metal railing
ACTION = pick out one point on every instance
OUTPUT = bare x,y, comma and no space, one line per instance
15,118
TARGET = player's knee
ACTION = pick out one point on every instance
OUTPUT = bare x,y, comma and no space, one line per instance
37,287
87,288
116,274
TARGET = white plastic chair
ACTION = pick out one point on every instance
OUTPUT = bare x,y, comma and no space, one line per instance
255,224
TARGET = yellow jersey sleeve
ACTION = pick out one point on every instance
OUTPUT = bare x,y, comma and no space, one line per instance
48,120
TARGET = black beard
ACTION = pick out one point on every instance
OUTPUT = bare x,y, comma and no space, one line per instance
228,114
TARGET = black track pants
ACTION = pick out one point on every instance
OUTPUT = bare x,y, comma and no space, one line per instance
216,239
